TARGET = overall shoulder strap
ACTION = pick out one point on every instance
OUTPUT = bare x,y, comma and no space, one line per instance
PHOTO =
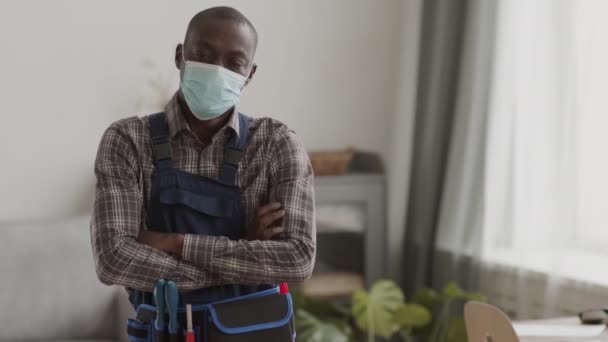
159,135
234,151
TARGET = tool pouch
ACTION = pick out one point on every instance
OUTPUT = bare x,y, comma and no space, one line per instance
263,316
268,318
138,331
161,336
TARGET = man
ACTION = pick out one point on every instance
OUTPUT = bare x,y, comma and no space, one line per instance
215,201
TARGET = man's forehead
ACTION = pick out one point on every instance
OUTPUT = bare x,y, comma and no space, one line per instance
221,32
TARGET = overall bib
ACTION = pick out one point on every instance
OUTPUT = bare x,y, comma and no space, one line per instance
182,202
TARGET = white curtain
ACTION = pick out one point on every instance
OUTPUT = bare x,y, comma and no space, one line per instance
546,173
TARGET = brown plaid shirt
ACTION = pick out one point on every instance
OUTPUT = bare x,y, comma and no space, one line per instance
275,162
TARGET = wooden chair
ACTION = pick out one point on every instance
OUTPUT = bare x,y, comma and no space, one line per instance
487,323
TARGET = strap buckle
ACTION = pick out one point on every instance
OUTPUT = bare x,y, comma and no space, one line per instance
232,156
161,151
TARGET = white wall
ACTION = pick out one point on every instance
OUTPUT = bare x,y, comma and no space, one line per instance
69,68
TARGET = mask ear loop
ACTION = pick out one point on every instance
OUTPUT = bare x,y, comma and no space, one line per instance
247,78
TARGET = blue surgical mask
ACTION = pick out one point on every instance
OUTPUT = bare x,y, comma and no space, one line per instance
210,90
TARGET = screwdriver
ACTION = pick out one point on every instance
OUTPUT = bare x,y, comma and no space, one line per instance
172,301
190,334
159,299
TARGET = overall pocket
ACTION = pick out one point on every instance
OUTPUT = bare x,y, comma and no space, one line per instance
184,210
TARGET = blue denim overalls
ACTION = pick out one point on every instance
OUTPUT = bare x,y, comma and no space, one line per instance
182,202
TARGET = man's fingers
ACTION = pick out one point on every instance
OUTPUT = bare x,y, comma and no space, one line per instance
271,217
272,232
144,235
268,208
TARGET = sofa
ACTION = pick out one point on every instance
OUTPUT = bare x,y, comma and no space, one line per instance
50,291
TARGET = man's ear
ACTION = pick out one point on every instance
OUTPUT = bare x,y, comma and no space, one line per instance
254,68
179,55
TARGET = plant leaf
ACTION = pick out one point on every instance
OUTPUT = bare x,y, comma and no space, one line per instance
311,329
426,297
319,307
413,316
342,325
474,296
451,291
456,330
375,311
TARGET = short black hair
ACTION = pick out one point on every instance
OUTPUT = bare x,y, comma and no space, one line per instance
221,12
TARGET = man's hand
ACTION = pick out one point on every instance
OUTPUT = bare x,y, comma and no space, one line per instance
262,226
167,242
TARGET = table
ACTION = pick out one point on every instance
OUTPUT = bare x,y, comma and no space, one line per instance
559,321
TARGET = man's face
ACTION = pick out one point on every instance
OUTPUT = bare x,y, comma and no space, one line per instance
221,42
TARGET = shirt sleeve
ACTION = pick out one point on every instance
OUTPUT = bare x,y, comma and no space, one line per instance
117,218
271,261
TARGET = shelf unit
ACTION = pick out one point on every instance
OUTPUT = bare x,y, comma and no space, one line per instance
349,252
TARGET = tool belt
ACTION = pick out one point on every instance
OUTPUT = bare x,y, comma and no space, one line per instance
262,316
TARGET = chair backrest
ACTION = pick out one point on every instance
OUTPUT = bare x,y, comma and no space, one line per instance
487,323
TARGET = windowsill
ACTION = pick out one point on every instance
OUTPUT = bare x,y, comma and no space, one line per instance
575,264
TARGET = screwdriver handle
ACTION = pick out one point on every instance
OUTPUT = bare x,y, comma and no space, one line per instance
172,299
159,299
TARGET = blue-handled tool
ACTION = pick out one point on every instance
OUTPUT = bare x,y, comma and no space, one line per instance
159,299
172,301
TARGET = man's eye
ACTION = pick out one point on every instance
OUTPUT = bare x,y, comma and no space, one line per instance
237,63
203,56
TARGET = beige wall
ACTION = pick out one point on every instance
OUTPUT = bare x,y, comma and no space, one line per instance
69,68
339,72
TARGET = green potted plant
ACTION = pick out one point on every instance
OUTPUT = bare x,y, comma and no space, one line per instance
383,312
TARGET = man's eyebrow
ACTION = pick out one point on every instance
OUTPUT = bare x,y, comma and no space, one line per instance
203,45
238,53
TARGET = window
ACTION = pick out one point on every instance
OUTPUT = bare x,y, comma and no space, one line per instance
547,164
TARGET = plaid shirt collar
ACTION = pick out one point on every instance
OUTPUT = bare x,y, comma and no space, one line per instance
177,122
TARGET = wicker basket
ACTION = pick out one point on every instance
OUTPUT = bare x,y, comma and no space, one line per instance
326,163
332,285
